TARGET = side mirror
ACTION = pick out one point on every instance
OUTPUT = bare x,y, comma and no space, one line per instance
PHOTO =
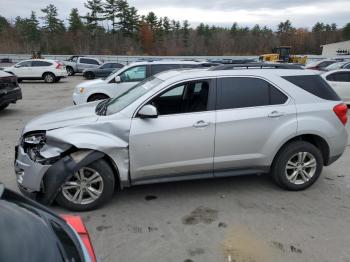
148,111
117,79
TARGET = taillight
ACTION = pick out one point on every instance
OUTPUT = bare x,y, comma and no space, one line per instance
341,111
59,65
77,223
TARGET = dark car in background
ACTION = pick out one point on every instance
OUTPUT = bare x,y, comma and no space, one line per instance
102,71
30,232
10,92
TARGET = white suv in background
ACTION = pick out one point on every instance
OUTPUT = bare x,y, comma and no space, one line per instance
50,71
125,78
339,80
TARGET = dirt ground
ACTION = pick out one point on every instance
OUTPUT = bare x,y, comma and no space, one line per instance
239,219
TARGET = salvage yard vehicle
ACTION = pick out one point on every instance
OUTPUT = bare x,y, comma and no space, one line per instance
51,71
339,80
10,92
77,64
338,65
102,71
320,65
128,76
182,125
30,232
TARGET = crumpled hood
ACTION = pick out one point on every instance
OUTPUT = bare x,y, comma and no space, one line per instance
69,116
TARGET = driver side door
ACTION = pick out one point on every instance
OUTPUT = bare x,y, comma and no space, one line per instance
179,143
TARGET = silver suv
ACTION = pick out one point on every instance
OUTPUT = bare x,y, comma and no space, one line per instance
180,125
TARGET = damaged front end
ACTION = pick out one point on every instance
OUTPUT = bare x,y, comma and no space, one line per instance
43,164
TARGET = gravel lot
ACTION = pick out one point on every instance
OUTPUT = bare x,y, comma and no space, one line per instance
232,219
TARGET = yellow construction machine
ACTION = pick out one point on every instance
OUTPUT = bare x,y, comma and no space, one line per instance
282,54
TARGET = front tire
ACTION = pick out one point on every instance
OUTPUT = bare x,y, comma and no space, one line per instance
70,71
4,106
89,188
89,75
49,78
297,166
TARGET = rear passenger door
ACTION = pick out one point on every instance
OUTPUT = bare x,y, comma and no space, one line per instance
39,67
250,113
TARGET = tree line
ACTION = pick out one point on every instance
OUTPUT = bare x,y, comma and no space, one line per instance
113,27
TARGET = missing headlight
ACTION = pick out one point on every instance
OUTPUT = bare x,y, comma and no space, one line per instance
32,145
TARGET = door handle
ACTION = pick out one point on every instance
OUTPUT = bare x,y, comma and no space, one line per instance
275,114
201,123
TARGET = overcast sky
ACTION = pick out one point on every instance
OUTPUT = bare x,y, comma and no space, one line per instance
302,13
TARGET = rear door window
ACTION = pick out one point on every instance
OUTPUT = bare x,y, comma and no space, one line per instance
40,63
339,77
88,61
240,92
315,85
24,64
155,69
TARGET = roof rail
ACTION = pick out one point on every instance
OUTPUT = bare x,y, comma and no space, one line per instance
257,66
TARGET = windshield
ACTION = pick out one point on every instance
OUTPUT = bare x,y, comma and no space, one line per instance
114,74
335,66
120,102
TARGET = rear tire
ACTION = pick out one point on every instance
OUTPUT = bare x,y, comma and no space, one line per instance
97,97
89,75
4,106
104,176
49,78
297,166
70,71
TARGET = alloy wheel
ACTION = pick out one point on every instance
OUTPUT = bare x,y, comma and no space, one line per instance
300,168
85,187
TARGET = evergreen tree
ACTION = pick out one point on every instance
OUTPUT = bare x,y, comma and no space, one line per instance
185,33
51,23
3,23
75,22
346,31
166,25
110,11
152,20
93,16
318,27
285,27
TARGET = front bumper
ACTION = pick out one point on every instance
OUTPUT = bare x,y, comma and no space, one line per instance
79,99
29,174
43,182
10,96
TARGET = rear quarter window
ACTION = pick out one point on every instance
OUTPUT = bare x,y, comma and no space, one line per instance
315,85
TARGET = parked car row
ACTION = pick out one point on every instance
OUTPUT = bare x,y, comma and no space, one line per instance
125,78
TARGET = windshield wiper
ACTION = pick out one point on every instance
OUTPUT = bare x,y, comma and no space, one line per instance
101,108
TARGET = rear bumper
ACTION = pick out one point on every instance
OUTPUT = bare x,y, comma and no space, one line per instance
337,146
61,73
11,96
